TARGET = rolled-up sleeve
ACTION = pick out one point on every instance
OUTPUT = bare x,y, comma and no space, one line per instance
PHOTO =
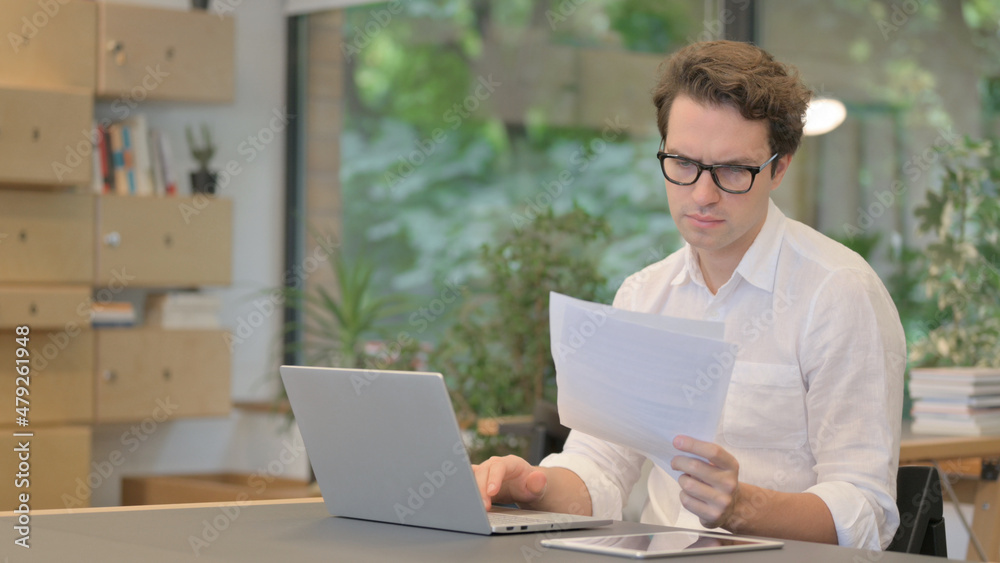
854,401
608,470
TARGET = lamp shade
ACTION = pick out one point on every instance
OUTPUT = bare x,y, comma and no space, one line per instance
824,115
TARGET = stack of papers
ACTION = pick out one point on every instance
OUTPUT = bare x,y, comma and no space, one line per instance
956,401
638,379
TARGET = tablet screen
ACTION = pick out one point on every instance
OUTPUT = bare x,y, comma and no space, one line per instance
661,544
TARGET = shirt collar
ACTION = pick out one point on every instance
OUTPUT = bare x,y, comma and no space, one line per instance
759,263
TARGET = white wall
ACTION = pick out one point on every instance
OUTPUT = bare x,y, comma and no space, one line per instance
241,442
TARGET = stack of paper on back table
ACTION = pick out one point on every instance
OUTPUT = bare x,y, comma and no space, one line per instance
638,379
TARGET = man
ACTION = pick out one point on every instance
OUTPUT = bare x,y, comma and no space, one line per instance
808,444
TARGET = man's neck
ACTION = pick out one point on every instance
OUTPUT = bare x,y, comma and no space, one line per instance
716,270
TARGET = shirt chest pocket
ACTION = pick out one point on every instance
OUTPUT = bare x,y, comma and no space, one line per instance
765,407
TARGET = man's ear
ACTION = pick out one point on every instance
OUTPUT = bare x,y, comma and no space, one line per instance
780,167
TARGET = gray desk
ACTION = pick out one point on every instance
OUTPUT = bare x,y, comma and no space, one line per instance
295,531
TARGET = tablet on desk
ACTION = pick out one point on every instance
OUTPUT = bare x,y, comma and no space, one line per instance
661,544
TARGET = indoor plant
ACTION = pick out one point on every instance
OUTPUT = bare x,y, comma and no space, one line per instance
347,325
496,357
203,179
963,259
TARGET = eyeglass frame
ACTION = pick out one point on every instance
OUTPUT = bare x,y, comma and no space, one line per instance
754,170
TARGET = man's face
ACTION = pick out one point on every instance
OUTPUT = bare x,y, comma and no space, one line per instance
717,224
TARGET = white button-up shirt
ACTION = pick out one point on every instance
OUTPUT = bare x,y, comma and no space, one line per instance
815,399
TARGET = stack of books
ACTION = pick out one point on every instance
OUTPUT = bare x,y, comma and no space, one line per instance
183,310
132,159
114,313
956,401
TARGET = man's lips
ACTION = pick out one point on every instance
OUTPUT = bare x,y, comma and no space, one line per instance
704,220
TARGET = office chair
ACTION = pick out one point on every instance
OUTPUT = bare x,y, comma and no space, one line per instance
547,434
921,520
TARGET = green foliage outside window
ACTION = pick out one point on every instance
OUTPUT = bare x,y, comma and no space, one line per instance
963,259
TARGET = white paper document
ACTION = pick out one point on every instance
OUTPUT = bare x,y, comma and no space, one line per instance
638,379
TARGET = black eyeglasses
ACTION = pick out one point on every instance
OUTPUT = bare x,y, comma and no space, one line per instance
731,178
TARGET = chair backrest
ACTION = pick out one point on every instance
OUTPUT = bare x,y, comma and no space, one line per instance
548,435
921,520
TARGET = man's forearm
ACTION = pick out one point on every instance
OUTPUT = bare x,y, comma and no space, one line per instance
794,516
565,492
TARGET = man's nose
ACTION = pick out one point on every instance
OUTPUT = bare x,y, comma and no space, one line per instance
704,191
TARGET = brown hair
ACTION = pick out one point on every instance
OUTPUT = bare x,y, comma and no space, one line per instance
740,75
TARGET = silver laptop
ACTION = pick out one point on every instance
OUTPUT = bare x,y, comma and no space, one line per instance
385,446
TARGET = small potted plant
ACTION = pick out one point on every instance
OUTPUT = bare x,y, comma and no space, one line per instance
202,180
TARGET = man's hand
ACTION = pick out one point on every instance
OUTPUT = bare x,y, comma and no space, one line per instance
509,479
710,490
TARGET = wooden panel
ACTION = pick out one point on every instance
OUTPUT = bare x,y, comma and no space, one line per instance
160,242
44,307
615,91
45,136
61,384
58,457
160,374
46,237
148,53
50,43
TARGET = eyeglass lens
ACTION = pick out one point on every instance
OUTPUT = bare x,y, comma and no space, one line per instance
729,177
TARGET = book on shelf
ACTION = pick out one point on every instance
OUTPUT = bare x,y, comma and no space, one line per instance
105,163
139,159
183,310
142,168
97,152
118,172
128,158
113,313
163,156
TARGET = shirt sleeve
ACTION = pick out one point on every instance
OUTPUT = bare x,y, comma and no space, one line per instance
853,356
608,470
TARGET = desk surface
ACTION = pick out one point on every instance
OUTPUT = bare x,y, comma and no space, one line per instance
304,531
924,447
